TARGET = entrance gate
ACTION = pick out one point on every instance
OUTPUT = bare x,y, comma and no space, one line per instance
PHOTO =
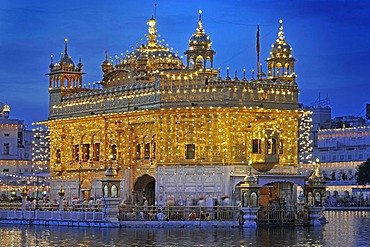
144,187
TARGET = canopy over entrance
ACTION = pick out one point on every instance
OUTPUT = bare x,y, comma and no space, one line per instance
264,179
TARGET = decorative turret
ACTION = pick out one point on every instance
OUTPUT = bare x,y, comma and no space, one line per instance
64,77
281,62
79,65
64,74
199,47
4,111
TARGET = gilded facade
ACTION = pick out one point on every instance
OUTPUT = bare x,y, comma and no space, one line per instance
172,129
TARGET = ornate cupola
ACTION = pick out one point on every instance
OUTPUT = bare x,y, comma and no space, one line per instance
199,48
281,61
65,61
106,65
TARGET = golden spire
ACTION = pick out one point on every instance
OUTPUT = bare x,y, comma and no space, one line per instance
281,32
152,31
66,48
200,23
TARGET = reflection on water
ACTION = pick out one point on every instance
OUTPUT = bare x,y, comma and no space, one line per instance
344,229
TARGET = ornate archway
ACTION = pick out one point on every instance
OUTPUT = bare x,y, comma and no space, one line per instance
144,187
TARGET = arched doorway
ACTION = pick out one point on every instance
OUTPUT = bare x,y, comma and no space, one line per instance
144,187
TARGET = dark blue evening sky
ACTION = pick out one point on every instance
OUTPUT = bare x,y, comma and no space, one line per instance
330,40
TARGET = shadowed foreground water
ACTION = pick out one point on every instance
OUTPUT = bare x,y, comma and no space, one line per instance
344,229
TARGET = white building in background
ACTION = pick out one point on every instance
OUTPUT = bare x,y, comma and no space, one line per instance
340,145
340,152
23,153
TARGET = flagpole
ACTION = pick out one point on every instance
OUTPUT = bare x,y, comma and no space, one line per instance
258,51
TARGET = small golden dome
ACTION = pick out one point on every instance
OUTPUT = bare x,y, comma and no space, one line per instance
110,172
66,62
281,48
200,40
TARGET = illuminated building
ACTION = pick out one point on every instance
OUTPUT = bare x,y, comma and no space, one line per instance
174,129
23,154
340,151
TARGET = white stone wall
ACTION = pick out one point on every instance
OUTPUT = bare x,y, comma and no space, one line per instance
185,183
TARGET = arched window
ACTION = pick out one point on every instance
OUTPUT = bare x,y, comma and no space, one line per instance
190,151
256,146
254,200
147,151
271,146
86,152
96,152
76,152
114,152
138,151
114,191
105,191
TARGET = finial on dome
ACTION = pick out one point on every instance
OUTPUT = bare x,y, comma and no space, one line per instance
200,23
66,48
281,32
227,74
79,65
152,30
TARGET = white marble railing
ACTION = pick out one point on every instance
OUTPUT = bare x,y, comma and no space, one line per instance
51,215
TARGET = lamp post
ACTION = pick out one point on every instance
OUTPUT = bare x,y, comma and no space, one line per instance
24,195
44,192
79,181
61,193
12,194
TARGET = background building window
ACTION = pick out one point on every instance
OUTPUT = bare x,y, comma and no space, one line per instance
190,151
6,149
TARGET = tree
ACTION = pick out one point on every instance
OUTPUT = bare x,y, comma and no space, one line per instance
363,173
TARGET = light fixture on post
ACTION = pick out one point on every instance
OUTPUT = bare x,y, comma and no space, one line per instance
44,192
13,193
61,193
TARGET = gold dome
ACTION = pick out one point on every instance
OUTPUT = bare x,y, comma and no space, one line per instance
157,57
110,172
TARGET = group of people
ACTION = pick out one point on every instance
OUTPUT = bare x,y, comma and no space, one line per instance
75,205
193,209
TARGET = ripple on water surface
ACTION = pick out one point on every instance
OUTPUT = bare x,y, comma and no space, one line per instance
344,229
